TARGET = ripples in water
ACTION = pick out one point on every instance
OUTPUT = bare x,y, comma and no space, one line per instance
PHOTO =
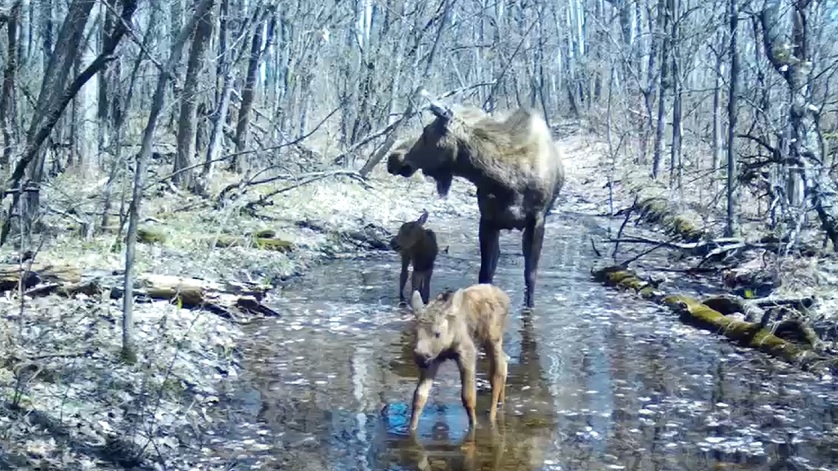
597,380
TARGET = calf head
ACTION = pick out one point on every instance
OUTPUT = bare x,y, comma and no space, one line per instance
437,325
410,233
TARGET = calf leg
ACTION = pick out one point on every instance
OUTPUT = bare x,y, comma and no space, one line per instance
422,282
489,251
426,285
403,277
466,362
532,240
420,394
497,375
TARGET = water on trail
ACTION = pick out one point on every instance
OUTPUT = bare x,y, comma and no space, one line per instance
597,380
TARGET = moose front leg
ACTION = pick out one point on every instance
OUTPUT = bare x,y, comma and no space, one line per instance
532,241
420,394
489,251
403,277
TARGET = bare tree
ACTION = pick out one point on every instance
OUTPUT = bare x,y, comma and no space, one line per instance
732,110
128,351
50,110
186,132
249,92
792,59
7,98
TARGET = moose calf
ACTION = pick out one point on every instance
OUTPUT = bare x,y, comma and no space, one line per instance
418,246
453,326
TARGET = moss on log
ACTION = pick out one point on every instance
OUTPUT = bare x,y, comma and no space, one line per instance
658,210
147,235
264,243
626,280
693,312
748,334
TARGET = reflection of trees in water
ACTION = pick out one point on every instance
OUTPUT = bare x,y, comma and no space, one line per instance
623,442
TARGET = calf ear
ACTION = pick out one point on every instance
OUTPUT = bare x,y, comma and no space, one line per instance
416,302
423,218
457,300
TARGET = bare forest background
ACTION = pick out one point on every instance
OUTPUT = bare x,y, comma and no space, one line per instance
730,105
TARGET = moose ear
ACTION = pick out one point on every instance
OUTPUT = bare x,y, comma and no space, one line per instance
457,300
416,302
442,112
423,218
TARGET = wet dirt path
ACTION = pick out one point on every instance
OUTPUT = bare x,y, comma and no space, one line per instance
597,380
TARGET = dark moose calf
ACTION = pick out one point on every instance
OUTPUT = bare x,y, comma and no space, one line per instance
418,247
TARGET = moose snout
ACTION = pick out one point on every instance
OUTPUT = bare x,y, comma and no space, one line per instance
397,166
406,171
421,358
394,243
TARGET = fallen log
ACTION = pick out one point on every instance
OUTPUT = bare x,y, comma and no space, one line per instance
707,249
749,334
36,273
659,210
265,243
370,236
221,297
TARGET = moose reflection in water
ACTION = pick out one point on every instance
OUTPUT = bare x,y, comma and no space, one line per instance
485,448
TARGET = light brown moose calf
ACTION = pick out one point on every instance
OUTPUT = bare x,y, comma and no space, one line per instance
453,326
417,246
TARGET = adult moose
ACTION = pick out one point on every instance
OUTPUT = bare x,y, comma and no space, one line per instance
512,161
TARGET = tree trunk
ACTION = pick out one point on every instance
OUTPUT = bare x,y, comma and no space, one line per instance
188,114
66,53
732,110
7,98
664,86
718,140
793,63
248,96
104,115
219,115
128,352
675,164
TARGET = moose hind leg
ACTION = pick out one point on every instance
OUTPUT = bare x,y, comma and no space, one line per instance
467,363
421,282
532,241
497,375
426,285
489,251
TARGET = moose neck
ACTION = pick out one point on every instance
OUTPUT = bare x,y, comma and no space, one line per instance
481,170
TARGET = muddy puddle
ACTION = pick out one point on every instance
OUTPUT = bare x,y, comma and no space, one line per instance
597,380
